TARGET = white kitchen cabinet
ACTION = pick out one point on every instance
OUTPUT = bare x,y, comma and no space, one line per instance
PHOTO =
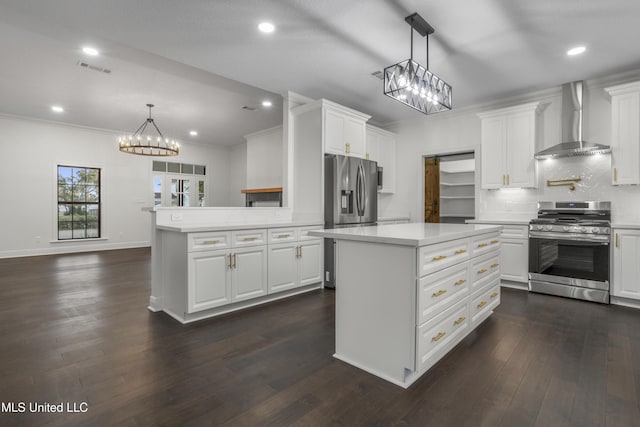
509,140
625,133
381,148
224,276
249,273
294,264
514,260
344,130
626,268
209,280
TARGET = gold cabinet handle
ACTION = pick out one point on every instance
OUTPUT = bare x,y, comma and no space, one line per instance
282,236
211,242
507,179
484,270
438,258
299,251
437,337
494,265
615,174
234,261
482,304
367,156
482,245
347,148
230,267
460,251
495,241
249,239
460,320
459,282
493,295
617,240
440,292
504,180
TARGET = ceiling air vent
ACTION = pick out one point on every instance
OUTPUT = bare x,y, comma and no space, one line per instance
246,107
94,68
378,75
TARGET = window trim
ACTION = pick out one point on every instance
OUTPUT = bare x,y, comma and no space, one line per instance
100,201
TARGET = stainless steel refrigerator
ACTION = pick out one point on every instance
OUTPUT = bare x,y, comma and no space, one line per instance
350,200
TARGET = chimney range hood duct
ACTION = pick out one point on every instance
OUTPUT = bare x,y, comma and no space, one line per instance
572,143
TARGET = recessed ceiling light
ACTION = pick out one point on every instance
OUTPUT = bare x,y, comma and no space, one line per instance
576,50
193,133
266,27
90,51
57,109
266,103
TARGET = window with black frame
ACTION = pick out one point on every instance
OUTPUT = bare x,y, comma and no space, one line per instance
78,202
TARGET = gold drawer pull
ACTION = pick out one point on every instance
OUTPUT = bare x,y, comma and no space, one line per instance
484,270
440,292
211,242
459,282
460,320
437,337
282,236
495,241
347,148
460,251
482,304
482,245
493,295
494,265
438,258
249,239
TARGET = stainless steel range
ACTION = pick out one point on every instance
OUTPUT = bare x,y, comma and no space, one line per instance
569,250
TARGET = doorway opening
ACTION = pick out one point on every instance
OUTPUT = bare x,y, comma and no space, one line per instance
449,188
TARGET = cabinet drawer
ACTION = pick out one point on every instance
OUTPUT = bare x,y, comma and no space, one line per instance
484,269
515,231
441,290
436,257
484,303
242,238
485,243
438,336
303,232
282,235
209,241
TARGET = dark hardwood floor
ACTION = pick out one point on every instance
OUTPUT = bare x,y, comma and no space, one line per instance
75,328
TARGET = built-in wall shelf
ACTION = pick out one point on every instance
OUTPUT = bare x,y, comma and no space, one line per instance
457,190
456,184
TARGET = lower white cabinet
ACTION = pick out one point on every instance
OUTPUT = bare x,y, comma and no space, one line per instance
626,265
514,260
294,264
224,276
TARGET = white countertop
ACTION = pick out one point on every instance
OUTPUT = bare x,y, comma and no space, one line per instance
393,218
413,234
196,228
626,225
498,221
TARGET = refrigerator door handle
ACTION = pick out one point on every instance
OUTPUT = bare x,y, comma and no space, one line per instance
359,183
364,190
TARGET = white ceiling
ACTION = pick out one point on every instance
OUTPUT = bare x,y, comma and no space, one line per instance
173,54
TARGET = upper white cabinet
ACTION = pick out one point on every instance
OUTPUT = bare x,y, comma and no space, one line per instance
344,130
625,133
626,269
381,147
509,140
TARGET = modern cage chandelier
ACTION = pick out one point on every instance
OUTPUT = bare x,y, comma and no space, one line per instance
145,145
414,85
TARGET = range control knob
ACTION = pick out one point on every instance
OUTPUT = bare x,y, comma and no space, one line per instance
566,228
539,227
595,230
605,231
548,227
583,229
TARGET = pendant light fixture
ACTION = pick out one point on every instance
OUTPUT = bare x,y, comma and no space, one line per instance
414,85
146,145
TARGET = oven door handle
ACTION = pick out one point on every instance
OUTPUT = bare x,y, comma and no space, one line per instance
604,240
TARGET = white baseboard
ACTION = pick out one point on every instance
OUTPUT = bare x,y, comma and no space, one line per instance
77,247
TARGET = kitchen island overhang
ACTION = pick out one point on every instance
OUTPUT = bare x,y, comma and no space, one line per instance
406,294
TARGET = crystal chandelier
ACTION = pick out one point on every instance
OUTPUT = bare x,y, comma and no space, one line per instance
414,85
146,145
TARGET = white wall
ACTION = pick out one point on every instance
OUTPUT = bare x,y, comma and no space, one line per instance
237,174
458,131
31,151
264,158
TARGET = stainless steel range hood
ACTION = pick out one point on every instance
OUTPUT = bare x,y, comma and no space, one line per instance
572,142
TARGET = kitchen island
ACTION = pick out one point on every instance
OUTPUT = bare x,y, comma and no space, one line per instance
406,294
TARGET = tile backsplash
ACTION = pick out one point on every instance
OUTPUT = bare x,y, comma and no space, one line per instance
595,174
